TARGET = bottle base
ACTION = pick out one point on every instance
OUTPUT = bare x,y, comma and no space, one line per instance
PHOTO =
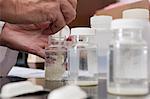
128,91
84,83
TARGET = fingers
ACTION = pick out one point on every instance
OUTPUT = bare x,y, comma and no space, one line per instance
43,39
56,25
39,52
68,10
64,15
37,49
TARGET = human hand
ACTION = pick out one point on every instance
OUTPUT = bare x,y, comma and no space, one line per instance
28,38
57,12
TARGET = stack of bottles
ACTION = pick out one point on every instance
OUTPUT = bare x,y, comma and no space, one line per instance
114,47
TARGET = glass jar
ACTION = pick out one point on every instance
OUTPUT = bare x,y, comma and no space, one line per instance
128,70
83,57
56,60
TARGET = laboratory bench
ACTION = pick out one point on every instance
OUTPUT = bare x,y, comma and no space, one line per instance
95,92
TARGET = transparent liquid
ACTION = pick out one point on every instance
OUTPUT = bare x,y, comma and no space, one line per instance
83,59
102,64
128,69
56,63
129,87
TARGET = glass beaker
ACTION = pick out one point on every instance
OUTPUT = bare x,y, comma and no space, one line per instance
56,58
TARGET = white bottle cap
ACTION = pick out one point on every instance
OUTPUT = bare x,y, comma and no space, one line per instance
136,13
101,21
128,24
82,31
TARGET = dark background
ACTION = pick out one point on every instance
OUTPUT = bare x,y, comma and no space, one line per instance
86,9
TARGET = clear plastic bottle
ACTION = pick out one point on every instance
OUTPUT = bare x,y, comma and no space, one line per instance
103,34
143,15
83,57
128,74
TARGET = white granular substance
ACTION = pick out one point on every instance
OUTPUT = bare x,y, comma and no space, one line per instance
55,71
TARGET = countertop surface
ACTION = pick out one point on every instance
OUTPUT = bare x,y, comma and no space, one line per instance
96,92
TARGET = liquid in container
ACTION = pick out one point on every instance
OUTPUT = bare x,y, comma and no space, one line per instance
83,57
103,35
128,70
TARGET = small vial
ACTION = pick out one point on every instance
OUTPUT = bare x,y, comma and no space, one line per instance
83,57
128,70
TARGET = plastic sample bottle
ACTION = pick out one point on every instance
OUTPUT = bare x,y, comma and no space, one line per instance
83,57
101,24
128,70
141,14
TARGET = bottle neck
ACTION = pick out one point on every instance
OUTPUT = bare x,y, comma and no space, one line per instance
128,34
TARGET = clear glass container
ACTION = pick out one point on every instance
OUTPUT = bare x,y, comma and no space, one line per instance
56,60
128,70
83,60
